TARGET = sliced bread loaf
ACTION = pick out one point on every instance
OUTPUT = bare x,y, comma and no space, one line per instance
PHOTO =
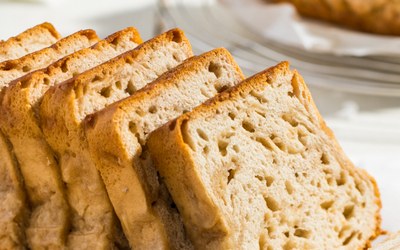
117,137
65,106
19,121
42,230
33,39
257,168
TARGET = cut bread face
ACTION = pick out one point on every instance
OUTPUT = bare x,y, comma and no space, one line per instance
118,134
256,167
30,40
392,242
65,106
48,217
19,121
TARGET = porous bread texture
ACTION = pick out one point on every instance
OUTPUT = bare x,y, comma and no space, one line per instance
117,137
392,242
43,229
90,228
376,16
257,168
30,40
12,69
65,106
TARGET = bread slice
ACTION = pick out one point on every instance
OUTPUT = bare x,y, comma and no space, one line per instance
65,106
117,136
32,39
12,69
256,167
392,242
18,119
14,219
13,211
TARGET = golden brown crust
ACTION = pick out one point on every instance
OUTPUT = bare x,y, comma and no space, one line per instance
380,17
26,41
169,139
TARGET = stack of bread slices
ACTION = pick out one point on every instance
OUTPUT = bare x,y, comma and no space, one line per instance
117,143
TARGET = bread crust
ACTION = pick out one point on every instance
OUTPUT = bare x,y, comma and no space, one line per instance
172,155
30,40
379,16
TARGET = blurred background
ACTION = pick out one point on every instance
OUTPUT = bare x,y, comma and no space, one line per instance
354,77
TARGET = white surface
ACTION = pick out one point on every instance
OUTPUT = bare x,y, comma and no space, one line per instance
280,22
367,127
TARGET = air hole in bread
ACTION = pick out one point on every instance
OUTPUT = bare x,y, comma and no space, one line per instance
302,233
106,91
46,81
172,125
232,115
325,159
290,93
271,203
64,66
26,68
175,56
222,145
289,187
266,143
220,87
134,129
343,231
97,78
287,234
289,119
115,41
215,69
176,36
128,60
327,204
342,179
236,148
231,175
261,99
262,242
359,236
271,230
349,238
279,143
153,109
118,84
130,88
206,150
348,211
248,126
202,134
360,187
24,83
